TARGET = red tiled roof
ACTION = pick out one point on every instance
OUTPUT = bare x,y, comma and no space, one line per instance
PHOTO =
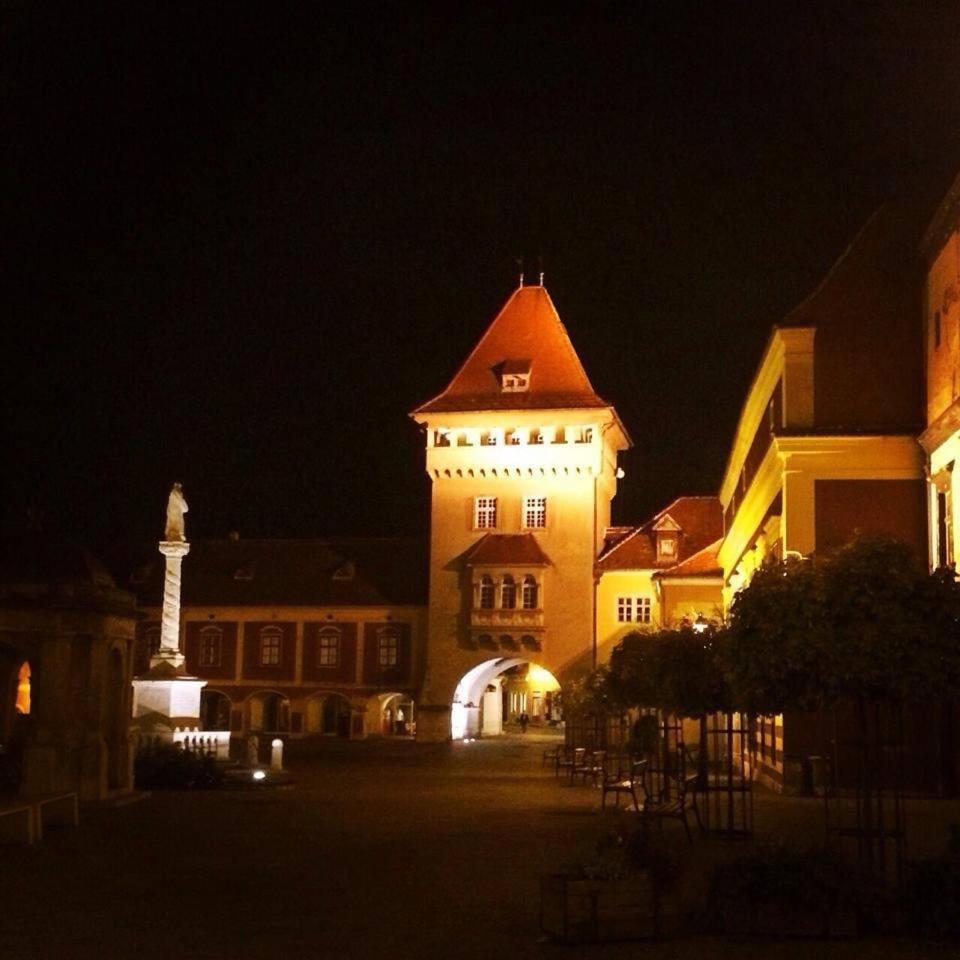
343,572
507,549
528,329
701,564
700,520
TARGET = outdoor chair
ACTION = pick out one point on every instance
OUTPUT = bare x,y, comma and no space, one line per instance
618,783
564,759
674,804
593,767
552,754
576,763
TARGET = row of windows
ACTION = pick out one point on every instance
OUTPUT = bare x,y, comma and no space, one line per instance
633,609
271,646
443,437
529,593
485,513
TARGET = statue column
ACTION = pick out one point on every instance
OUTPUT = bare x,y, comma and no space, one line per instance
169,652
165,697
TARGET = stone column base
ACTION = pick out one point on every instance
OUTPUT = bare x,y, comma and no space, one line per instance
433,722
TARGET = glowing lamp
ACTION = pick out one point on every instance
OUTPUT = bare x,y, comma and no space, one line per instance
701,623
259,774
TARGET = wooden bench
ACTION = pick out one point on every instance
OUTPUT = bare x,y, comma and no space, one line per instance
17,822
617,784
679,796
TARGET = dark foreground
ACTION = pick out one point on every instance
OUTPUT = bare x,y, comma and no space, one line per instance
383,849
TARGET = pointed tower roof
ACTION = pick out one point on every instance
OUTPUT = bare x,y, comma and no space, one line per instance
526,340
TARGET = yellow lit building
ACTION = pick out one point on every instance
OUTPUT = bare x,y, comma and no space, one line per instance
826,447
941,438
663,573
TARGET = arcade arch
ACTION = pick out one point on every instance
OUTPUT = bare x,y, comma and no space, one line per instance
493,691
328,715
395,714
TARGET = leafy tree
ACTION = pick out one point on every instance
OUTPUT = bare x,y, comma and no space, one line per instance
675,670
864,624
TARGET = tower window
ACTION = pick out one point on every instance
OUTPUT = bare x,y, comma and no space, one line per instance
487,593
508,593
529,598
534,512
270,641
485,513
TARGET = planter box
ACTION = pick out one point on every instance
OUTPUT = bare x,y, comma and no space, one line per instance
598,911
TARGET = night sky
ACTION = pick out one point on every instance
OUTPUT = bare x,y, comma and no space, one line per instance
242,245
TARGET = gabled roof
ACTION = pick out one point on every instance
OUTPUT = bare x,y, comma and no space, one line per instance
506,549
336,572
700,522
703,563
528,333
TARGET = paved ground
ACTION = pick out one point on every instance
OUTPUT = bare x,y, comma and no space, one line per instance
383,849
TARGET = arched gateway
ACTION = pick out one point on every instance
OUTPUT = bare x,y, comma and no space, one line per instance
498,691
522,458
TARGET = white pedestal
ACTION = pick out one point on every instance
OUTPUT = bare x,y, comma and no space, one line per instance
166,702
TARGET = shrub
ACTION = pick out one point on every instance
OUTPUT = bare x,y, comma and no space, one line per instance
169,767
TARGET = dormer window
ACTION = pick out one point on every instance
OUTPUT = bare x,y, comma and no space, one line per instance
515,376
668,539
666,547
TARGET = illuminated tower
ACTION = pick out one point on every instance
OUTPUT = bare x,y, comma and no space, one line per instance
522,455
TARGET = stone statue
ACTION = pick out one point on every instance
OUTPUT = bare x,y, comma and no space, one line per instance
176,508
253,750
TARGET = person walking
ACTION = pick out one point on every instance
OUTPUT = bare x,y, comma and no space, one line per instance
524,720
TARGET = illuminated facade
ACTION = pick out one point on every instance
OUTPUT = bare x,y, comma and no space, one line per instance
826,446
663,573
522,458
941,316
299,637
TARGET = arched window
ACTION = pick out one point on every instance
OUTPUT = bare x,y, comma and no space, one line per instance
487,593
271,640
529,593
508,593
328,647
211,644
389,647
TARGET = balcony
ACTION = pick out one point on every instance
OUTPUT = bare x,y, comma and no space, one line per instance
497,617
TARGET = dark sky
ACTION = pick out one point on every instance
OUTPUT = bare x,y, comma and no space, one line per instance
243,244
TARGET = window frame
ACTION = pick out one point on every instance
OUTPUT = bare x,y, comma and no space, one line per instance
334,634
388,642
267,637
624,609
530,511
485,513
528,587
210,635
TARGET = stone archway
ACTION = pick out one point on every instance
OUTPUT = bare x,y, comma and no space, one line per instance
215,710
327,715
478,707
268,712
395,713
